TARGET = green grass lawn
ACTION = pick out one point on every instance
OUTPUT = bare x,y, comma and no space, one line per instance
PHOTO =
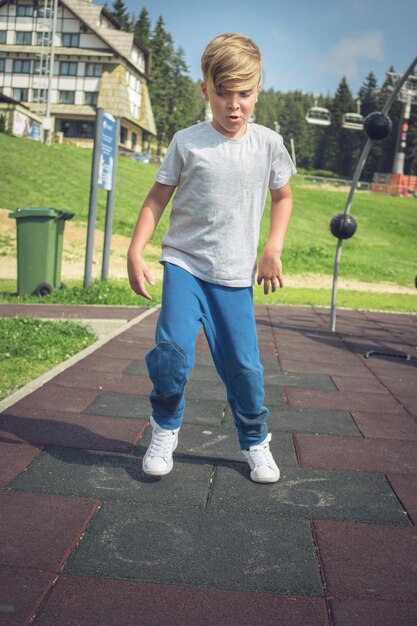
29,347
382,250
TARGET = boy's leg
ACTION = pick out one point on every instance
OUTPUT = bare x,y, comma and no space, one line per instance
231,332
170,362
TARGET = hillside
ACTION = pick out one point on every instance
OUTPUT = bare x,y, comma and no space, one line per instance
383,249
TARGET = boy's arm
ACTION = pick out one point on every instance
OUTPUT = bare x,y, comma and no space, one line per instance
149,216
270,265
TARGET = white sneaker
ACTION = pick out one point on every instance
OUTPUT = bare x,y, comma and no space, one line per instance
264,469
158,457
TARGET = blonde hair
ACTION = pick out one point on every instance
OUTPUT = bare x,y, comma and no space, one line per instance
231,57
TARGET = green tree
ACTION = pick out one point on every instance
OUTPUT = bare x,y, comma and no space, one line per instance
161,87
142,28
340,142
120,12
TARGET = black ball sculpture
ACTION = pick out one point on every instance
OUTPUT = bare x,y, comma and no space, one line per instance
343,226
377,126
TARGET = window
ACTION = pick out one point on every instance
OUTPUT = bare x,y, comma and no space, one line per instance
24,10
134,140
45,13
66,97
68,68
2,36
20,94
91,97
43,38
123,134
41,67
75,128
39,95
93,69
24,37
21,66
2,65
71,40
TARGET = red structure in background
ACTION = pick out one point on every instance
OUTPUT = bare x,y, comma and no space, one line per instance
394,184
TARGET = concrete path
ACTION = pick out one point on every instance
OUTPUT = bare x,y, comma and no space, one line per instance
87,539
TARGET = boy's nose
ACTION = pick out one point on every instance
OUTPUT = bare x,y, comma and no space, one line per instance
233,101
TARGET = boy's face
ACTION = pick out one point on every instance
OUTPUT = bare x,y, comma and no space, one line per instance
231,108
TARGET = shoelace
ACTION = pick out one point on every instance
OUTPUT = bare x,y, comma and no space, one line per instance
162,441
261,455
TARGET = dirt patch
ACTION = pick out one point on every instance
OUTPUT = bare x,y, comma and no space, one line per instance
73,254
73,259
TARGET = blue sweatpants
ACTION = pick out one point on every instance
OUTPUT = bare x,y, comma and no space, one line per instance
227,316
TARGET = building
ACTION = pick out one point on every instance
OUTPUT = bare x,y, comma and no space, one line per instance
94,63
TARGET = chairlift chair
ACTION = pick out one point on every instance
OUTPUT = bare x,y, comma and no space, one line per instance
353,121
318,115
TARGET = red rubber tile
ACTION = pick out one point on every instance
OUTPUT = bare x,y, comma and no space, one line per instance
316,367
405,488
342,401
41,531
95,362
13,460
70,430
365,561
358,383
22,591
372,613
353,454
94,602
386,426
51,396
82,378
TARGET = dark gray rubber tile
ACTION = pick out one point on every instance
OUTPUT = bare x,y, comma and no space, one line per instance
307,381
311,494
201,548
198,443
124,405
313,422
113,477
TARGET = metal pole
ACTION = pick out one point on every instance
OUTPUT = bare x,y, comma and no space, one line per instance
47,126
398,167
92,209
109,209
355,181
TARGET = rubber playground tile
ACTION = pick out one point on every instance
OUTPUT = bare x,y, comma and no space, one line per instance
304,366
386,426
310,494
367,562
308,381
22,591
99,602
372,612
120,348
59,428
343,401
95,362
129,406
103,381
82,473
363,383
314,422
51,396
198,442
405,488
357,455
41,531
14,458
199,548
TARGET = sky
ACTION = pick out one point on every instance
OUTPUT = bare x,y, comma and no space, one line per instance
307,45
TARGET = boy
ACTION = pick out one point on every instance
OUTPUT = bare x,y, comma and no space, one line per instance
221,171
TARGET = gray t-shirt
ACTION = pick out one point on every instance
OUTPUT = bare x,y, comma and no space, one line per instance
221,191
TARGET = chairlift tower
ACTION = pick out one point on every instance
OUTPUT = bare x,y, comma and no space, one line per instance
44,69
408,96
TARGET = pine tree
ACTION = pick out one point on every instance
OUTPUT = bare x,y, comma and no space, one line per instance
120,12
162,80
340,142
142,28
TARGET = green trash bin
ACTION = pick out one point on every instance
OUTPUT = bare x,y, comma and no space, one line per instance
40,234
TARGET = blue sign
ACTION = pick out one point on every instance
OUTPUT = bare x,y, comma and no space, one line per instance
107,151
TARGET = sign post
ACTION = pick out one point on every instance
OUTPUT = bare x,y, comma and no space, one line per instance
103,175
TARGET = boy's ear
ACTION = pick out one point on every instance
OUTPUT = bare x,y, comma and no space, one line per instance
204,90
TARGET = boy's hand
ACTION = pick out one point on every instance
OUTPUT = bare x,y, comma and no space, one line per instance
138,273
270,270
